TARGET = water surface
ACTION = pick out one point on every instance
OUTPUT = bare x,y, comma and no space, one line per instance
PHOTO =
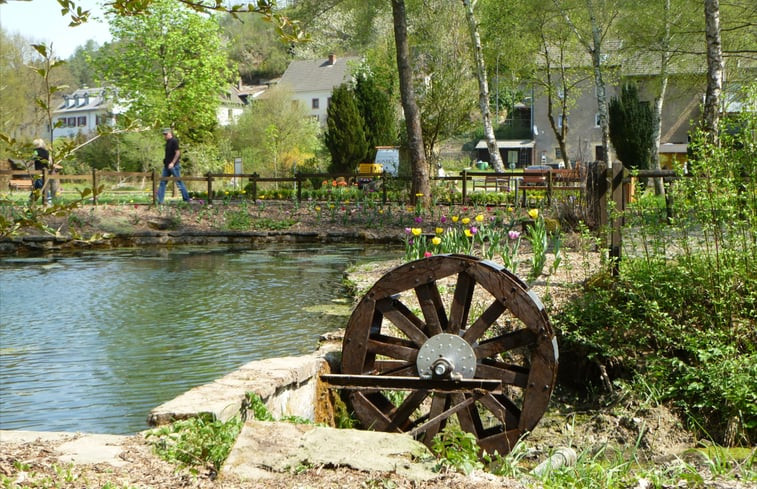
92,342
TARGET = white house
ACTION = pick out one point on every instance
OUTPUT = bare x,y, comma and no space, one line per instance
82,111
231,106
312,81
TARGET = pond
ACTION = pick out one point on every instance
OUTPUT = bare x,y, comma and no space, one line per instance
92,342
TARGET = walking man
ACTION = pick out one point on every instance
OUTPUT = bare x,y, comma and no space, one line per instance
171,166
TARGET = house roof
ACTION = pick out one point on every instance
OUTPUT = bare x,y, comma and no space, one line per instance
83,99
318,75
508,143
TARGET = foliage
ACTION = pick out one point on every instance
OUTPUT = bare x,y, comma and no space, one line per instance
631,128
183,68
274,135
197,441
345,137
254,48
456,449
686,324
377,111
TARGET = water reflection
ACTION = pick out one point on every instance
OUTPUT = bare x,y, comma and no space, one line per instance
93,342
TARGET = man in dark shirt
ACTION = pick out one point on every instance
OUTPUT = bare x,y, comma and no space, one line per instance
171,166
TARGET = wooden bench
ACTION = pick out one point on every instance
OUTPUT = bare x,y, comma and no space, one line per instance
20,184
550,181
499,183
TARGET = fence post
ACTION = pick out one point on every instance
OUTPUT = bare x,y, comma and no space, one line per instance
549,188
298,183
465,186
383,186
210,187
616,218
94,187
154,187
254,185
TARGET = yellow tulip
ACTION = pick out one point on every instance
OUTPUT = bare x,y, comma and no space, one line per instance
468,233
534,213
439,230
436,240
455,218
466,220
480,218
318,208
416,231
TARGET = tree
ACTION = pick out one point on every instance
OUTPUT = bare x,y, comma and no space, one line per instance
483,88
421,186
376,110
273,135
711,112
631,128
345,137
254,48
81,64
170,66
591,22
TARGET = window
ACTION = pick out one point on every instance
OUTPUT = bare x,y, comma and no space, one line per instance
599,153
597,122
61,122
560,120
81,121
558,153
315,103
71,122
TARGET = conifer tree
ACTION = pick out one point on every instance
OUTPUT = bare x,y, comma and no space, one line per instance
345,137
631,128
375,107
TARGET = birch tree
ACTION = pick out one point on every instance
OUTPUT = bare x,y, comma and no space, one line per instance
599,16
483,88
711,111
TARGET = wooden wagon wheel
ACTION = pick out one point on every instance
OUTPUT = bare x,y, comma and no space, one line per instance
487,358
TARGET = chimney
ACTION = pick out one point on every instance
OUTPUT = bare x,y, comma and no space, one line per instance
332,59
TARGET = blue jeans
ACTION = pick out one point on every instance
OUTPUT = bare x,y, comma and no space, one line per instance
173,172
37,185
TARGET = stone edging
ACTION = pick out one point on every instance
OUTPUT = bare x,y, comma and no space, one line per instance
36,244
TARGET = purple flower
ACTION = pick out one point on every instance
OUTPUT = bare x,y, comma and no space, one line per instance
473,230
443,219
419,219
513,234
408,231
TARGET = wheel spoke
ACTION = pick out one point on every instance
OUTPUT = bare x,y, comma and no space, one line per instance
503,409
403,319
461,301
433,309
514,375
394,368
439,403
401,415
505,342
492,313
384,345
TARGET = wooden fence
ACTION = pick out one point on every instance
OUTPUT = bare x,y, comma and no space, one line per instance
468,182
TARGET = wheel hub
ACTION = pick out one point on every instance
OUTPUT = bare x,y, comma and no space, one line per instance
446,356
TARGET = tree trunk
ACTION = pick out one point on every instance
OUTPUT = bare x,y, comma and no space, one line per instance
421,184
659,101
711,115
483,90
599,83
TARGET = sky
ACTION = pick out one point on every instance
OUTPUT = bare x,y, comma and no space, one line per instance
41,21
